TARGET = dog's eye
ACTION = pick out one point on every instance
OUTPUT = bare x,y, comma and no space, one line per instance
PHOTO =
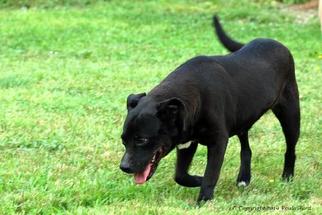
141,141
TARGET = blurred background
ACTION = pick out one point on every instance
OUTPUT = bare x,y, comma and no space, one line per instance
53,3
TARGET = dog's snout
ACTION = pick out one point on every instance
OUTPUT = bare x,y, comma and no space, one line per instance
125,167
125,164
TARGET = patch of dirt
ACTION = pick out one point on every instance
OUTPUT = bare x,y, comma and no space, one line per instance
306,6
303,12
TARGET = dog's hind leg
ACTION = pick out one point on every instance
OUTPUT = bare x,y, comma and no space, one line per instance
184,159
287,110
244,174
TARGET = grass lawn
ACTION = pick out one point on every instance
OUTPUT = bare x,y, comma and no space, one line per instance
65,74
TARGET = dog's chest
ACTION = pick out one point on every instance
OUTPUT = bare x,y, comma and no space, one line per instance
198,134
184,145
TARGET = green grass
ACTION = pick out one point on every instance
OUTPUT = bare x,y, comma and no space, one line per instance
65,73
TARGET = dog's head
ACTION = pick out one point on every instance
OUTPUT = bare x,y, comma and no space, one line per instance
149,133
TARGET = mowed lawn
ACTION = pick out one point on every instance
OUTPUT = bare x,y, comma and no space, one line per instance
65,74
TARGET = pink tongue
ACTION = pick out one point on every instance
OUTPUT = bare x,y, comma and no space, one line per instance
141,177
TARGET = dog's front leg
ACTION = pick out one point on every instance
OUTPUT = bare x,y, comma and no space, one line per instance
184,158
215,157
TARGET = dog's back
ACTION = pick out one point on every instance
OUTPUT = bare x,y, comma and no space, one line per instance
256,53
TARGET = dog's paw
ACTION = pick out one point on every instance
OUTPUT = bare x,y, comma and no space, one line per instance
287,177
241,184
243,180
189,180
202,202
204,197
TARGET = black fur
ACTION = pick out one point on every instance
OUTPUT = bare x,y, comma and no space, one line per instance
208,99
229,43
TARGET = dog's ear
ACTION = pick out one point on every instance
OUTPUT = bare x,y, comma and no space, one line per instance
133,100
173,111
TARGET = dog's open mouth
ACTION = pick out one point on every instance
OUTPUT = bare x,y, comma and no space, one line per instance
146,174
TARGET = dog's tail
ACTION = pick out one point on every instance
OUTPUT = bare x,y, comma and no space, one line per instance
228,43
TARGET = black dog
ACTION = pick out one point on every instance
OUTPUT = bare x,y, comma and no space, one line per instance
206,100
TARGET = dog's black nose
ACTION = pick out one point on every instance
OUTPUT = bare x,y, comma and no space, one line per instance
126,168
